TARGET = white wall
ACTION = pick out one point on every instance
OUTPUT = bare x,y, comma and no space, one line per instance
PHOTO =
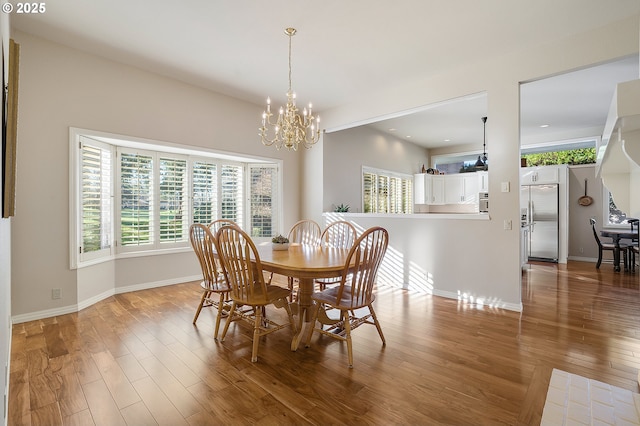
345,153
5,253
61,88
582,244
496,249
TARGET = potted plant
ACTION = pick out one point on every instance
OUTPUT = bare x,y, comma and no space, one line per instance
342,208
280,242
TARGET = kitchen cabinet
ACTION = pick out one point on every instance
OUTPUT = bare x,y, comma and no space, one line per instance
448,189
461,189
419,190
436,189
483,181
428,189
539,175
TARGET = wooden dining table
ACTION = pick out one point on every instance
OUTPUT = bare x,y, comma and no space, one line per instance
306,263
616,236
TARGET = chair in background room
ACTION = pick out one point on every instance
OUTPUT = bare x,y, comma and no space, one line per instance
213,280
248,287
606,246
633,247
354,296
340,234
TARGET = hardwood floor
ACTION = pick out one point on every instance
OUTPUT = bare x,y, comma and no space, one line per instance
136,359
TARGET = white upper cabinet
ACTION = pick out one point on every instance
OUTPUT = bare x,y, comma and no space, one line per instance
483,181
539,175
449,189
419,194
437,194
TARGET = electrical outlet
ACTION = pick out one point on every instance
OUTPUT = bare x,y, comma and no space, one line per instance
56,293
581,249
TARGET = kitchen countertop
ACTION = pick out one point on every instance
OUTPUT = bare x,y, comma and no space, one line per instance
425,216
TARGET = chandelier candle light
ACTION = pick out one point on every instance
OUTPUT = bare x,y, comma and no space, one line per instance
291,129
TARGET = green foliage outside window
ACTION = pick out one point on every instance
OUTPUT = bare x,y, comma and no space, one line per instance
573,156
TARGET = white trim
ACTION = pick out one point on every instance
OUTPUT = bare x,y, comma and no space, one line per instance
586,259
170,147
517,307
7,375
63,310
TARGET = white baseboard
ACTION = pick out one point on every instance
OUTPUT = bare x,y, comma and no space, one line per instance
63,310
479,304
586,259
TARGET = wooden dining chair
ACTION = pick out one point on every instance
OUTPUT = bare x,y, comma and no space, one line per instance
306,232
339,234
213,280
607,246
243,271
218,223
355,291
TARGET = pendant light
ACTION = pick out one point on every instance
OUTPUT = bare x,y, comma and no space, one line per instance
481,164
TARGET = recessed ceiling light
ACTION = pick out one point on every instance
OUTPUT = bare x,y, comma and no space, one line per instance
447,140
408,136
544,125
392,129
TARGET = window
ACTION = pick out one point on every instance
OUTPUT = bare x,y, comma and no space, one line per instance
204,192
614,216
96,199
386,192
136,200
130,200
264,182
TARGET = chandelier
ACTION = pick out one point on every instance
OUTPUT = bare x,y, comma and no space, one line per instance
291,129
481,164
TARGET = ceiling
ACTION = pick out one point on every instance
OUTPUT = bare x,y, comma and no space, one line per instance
344,49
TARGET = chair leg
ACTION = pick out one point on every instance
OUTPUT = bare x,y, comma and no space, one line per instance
232,311
375,321
625,258
205,294
256,334
347,335
290,284
599,259
219,316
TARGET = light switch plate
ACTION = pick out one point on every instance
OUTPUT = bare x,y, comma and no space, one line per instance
507,225
505,187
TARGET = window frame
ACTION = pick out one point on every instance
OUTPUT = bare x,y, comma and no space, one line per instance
120,143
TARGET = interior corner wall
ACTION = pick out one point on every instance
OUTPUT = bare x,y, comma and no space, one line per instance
347,151
62,87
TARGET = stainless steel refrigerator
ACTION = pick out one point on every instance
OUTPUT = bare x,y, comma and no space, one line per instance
539,212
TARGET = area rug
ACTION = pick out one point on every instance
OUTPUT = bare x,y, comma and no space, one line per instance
573,399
